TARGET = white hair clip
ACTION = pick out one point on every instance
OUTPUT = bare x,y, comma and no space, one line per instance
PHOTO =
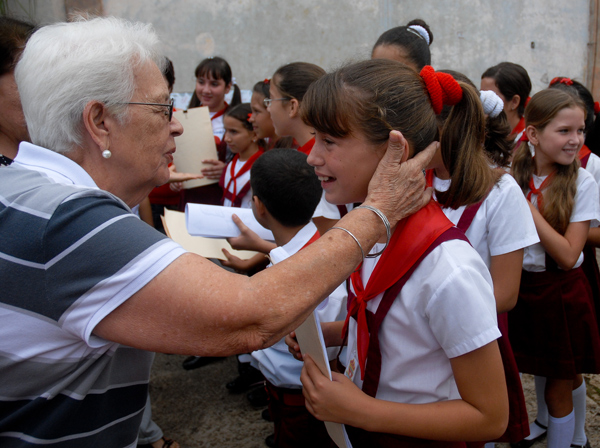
420,31
233,80
492,103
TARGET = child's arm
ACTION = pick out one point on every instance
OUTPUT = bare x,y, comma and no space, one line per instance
481,414
594,237
252,265
506,275
249,240
565,250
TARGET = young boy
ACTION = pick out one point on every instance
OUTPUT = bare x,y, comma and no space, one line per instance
285,194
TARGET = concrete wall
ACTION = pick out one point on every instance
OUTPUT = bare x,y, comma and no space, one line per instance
547,37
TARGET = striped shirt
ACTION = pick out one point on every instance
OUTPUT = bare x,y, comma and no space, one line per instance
69,255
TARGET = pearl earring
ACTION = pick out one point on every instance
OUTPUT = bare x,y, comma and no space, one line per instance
106,154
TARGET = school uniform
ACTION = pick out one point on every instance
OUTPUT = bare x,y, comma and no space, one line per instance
444,308
553,330
294,425
235,181
501,223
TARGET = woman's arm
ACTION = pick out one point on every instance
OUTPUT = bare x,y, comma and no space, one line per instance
506,275
565,250
196,307
481,414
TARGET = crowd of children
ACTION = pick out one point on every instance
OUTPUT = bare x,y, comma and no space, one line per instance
497,276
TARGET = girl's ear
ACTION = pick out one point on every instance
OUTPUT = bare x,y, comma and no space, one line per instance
294,108
532,135
514,102
227,88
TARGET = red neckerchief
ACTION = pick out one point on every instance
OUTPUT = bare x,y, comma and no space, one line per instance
538,191
429,177
519,127
314,238
233,177
305,149
219,113
584,152
410,240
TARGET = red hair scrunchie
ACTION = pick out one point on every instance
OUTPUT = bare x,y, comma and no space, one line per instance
596,107
442,88
566,81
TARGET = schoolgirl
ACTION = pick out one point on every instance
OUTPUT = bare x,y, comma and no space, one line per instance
552,329
423,303
407,44
499,227
511,83
286,92
213,81
246,147
591,162
261,119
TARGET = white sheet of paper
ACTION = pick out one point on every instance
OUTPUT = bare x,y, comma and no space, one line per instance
310,339
214,221
197,143
174,223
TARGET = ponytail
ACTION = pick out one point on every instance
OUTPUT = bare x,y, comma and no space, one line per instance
461,144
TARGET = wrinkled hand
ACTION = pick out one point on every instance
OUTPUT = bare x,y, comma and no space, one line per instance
398,188
339,400
215,170
293,346
248,239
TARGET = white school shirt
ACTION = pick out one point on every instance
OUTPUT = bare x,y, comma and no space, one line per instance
503,223
276,363
445,309
240,182
587,208
328,210
217,125
593,167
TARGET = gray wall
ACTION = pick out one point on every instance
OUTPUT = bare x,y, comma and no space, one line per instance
257,36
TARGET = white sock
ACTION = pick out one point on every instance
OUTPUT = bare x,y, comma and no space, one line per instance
579,405
560,431
542,409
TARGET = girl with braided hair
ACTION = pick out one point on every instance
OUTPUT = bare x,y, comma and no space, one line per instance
423,364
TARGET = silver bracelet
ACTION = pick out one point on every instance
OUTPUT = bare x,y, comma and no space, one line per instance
362,252
386,223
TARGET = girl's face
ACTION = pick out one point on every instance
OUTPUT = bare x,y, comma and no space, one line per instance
560,141
237,137
279,112
211,92
261,119
344,166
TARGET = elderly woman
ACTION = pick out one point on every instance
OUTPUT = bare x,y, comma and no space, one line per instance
85,284
13,35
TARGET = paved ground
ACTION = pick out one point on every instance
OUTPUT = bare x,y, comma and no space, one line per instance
195,409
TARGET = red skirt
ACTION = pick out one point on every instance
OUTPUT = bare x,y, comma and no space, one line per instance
552,329
361,438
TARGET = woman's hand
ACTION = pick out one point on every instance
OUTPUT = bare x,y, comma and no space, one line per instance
397,187
338,400
215,169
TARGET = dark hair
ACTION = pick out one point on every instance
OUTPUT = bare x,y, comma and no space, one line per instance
217,68
559,199
262,88
511,79
169,73
381,95
242,113
286,184
13,36
410,40
498,145
578,90
294,79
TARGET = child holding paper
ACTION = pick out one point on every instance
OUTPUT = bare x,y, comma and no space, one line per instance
285,195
